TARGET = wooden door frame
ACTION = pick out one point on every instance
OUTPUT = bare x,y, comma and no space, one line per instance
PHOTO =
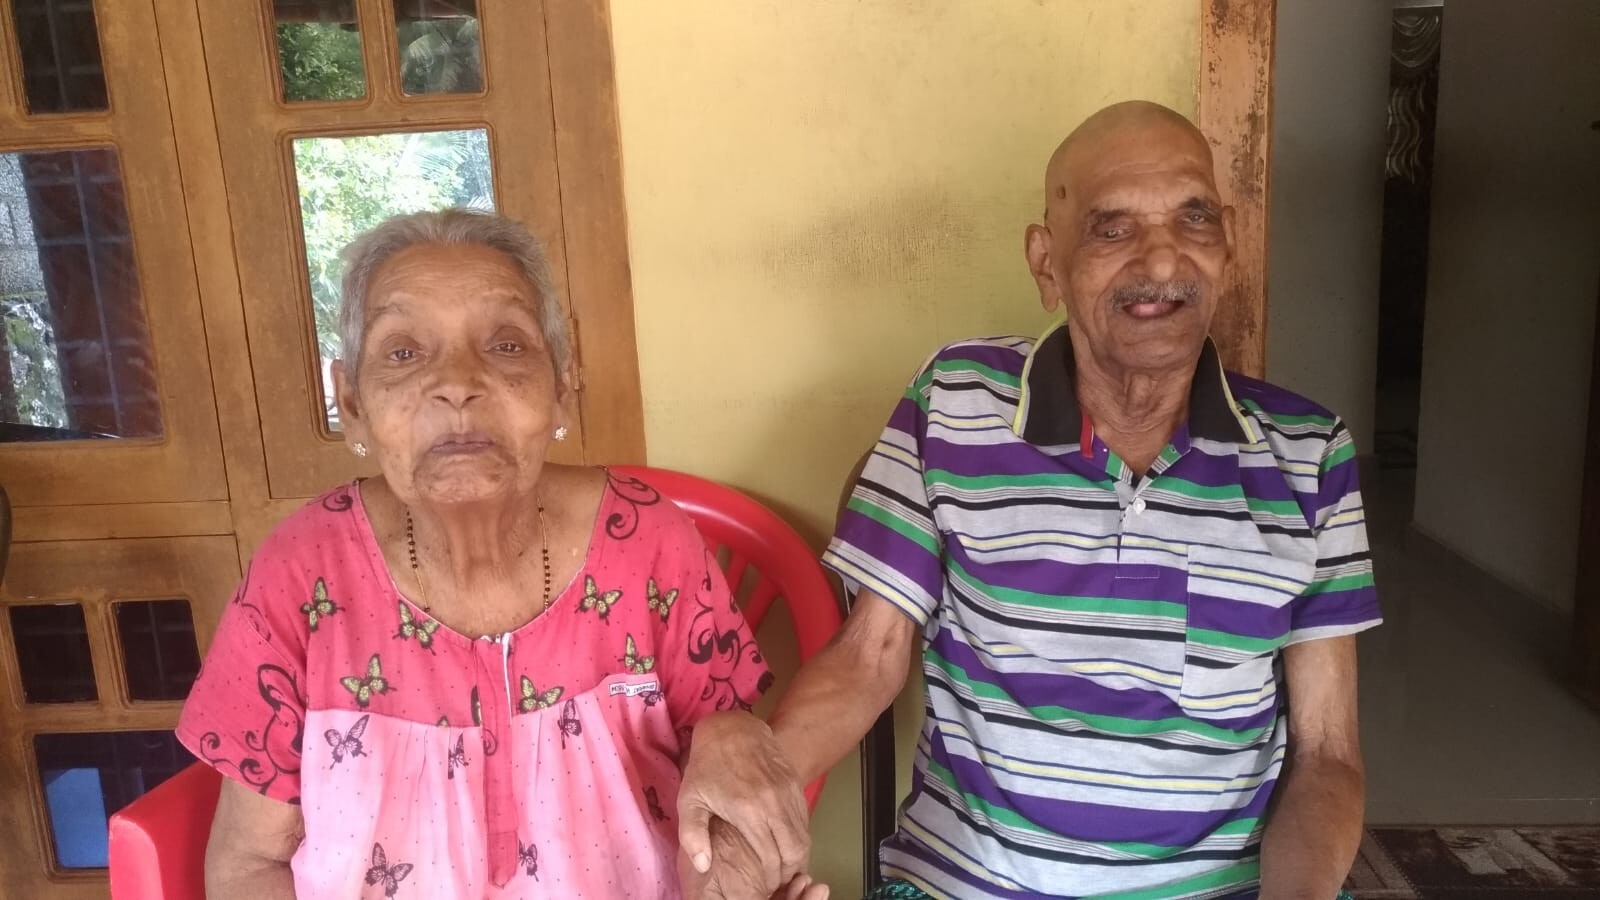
1237,40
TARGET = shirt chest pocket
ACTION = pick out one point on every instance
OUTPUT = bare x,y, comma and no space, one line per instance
1238,618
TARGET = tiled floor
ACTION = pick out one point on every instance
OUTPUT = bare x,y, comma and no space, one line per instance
1465,719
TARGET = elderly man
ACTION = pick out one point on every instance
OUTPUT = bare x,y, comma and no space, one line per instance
1136,578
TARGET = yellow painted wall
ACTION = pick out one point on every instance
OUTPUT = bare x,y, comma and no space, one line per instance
819,194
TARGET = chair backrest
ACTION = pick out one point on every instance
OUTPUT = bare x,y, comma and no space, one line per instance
158,842
753,539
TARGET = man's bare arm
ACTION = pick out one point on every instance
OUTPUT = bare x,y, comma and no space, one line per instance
1314,824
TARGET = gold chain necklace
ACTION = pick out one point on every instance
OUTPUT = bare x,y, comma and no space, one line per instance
416,569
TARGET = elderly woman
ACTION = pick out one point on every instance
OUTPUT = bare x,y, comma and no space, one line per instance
474,674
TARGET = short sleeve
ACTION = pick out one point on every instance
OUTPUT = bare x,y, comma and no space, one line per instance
245,716
1342,597
715,662
887,540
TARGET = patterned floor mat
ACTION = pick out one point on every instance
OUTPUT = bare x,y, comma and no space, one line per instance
1487,863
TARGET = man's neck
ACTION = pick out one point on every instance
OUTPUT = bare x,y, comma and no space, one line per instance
1135,413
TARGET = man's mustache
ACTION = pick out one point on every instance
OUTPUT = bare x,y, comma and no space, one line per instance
1155,292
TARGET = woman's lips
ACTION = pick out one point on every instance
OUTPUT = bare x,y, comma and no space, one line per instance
463,443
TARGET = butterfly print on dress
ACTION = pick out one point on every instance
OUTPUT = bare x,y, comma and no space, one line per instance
658,602
528,858
635,663
319,607
411,628
348,743
383,873
277,746
600,602
569,723
458,756
364,688
533,698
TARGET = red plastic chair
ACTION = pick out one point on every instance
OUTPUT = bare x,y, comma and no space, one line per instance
158,842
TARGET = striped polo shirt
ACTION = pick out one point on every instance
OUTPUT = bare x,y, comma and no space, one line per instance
1104,707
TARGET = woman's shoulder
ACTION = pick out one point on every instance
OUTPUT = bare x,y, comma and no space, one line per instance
332,518
638,504
320,541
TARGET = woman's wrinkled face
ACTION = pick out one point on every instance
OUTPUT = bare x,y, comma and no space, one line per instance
458,391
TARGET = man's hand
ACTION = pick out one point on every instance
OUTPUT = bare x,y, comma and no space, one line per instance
735,874
737,773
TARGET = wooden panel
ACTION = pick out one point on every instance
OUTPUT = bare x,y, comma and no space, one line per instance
203,570
186,464
129,520
1236,41
589,153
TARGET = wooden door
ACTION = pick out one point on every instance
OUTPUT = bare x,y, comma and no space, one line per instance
106,399
435,102
109,637
160,360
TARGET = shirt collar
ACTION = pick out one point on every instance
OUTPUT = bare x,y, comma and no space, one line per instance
1048,414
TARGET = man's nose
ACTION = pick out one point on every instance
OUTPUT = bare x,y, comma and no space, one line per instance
1158,253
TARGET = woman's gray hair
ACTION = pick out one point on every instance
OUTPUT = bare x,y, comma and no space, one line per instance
450,227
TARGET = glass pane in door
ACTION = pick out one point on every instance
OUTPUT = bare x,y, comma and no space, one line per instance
75,356
52,647
60,50
439,45
87,777
159,655
349,184
319,50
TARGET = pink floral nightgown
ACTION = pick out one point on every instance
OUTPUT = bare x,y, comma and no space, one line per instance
429,764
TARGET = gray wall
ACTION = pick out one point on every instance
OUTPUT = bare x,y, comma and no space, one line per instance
1514,270
1329,131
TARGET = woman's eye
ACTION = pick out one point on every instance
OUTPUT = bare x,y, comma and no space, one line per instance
508,347
402,354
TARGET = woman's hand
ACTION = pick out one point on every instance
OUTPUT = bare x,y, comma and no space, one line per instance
735,873
739,774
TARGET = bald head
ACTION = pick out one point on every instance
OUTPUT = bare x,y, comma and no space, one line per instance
1123,132
1136,241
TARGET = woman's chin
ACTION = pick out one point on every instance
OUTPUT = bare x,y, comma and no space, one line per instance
458,480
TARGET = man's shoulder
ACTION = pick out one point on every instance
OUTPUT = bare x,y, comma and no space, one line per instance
1280,409
1002,357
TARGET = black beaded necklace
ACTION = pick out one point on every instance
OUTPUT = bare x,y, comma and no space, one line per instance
416,569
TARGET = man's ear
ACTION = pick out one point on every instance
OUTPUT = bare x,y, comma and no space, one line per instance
1036,246
1229,217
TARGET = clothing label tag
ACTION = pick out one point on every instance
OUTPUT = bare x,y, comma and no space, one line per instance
634,690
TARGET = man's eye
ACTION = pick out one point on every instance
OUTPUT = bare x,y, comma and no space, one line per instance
1112,234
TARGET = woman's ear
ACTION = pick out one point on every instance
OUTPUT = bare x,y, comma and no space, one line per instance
351,422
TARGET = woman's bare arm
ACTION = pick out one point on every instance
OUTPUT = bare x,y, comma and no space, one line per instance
252,840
